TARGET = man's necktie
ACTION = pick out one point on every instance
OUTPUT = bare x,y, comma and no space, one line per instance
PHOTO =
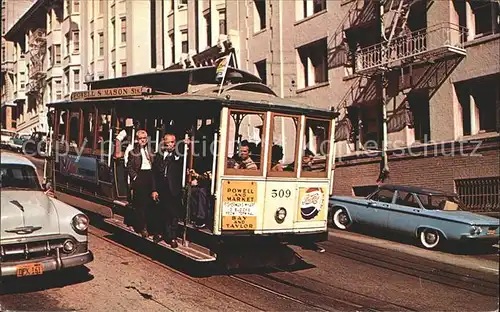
147,156
167,163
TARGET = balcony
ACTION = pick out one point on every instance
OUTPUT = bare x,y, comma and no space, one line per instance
423,45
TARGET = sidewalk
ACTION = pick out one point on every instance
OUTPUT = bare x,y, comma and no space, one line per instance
464,261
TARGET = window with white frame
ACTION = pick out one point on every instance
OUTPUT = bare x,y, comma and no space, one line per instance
92,47
76,42
66,81
124,69
101,44
171,38
76,80
208,29
113,31
312,64
123,23
259,14
57,54
222,22
67,42
310,7
76,6
184,42
58,89
486,17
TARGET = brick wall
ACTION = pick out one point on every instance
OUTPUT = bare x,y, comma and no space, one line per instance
430,169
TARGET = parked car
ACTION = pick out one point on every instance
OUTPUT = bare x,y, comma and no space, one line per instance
38,232
36,145
5,137
16,142
429,215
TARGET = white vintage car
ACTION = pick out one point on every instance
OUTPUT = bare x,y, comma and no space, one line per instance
38,233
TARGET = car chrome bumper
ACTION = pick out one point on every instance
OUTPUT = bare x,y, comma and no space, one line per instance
481,238
49,264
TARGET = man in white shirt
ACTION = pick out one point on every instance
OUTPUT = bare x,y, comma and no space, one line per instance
139,164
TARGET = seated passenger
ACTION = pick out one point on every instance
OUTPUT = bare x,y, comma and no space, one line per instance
307,160
245,162
276,157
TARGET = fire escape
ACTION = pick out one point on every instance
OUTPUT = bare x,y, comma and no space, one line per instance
400,49
37,48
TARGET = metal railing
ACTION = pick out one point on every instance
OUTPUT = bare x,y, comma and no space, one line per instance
417,43
480,194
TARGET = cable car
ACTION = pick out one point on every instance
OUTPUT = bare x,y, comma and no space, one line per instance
267,162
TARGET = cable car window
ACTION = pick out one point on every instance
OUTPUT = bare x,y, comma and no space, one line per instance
89,122
74,128
126,133
245,135
283,147
103,127
61,125
316,147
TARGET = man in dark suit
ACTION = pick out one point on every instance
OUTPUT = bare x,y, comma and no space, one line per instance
167,189
139,167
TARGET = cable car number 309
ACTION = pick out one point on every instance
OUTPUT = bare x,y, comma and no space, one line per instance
281,193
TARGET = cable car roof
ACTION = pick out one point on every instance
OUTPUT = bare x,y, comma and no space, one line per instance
249,94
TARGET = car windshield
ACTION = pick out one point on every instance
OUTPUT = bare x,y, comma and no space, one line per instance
441,202
18,177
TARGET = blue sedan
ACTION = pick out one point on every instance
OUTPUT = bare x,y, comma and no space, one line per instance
429,215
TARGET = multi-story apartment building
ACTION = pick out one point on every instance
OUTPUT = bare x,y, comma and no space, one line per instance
188,33
67,43
13,73
414,81
115,38
37,36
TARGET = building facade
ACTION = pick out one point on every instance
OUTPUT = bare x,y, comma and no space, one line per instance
13,73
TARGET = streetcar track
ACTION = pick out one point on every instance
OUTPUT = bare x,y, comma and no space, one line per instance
421,267
262,288
311,291
379,251
334,287
243,280
452,279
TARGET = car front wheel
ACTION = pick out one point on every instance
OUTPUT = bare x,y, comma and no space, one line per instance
341,219
430,238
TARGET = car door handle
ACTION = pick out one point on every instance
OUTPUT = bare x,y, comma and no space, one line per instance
372,204
416,210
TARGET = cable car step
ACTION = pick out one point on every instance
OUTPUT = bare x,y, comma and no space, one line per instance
193,227
190,249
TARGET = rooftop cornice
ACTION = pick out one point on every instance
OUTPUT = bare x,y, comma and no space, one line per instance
23,21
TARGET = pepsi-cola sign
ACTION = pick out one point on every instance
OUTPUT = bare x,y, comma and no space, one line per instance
311,203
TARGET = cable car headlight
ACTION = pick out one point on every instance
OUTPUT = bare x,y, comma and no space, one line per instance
280,215
80,223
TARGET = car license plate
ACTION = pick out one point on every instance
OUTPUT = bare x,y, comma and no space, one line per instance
29,269
491,231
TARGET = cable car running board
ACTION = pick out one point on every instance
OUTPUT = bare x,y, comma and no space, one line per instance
192,250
